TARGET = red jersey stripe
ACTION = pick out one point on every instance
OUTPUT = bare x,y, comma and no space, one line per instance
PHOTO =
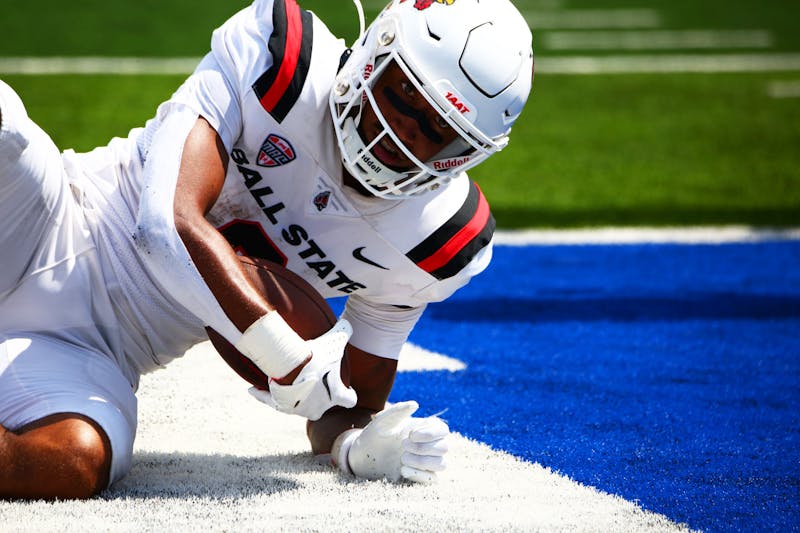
294,38
457,242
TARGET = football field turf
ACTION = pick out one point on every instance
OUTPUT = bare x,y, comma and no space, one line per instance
591,387
667,374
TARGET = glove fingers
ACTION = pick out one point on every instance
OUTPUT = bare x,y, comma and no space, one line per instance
339,393
429,429
437,447
389,419
433,463
417,476
344,396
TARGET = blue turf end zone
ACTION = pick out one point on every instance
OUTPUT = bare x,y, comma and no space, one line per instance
667,374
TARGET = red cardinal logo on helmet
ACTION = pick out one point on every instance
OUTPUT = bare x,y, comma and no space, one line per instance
425,4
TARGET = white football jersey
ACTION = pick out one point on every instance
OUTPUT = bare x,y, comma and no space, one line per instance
264,87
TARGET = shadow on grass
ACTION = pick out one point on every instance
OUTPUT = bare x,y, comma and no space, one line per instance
211,476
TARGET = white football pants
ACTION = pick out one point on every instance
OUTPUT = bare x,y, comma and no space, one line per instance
55,313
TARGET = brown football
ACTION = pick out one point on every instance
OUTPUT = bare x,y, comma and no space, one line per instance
300,305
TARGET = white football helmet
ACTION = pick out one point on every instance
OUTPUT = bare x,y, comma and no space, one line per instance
472,60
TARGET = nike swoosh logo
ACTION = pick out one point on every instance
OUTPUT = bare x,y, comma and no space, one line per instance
325,384
360,256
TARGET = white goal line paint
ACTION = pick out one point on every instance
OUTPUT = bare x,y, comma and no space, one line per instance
611,235
593,19
657,39
641,64
414,358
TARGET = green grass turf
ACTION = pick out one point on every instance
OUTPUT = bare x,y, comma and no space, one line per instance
589,150
180,27
778,16
82,112
112,28
650,149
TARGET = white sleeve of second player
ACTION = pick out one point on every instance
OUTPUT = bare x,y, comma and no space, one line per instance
380,329
157,240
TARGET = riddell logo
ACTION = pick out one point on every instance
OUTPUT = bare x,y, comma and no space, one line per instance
371,163
457,103
444,164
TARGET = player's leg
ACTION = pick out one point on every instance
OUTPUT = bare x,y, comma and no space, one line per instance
60,456
68,419
36,200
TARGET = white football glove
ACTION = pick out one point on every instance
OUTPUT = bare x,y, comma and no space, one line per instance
394,445
318,386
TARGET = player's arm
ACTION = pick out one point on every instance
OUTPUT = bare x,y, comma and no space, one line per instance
200,180
183,177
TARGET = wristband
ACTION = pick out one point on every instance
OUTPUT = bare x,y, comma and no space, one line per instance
273,345
341,449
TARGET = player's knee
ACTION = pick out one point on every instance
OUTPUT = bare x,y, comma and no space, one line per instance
91,461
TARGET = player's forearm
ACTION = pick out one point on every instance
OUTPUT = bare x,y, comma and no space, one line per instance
323,432
159,245
222,272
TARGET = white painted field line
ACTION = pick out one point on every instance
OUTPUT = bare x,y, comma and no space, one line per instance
612,235
668,63
783,89
98,65
657,40
593,19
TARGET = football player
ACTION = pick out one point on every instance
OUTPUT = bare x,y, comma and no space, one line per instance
346,166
